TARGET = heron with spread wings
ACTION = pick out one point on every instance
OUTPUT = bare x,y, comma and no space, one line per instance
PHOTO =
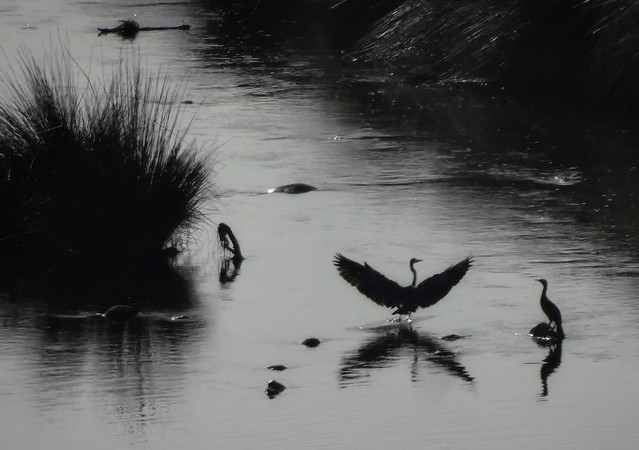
405,299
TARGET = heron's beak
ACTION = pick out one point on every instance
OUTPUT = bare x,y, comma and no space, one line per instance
418,260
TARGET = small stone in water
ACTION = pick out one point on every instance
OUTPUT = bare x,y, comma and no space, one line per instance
451,337
294,188
311,342
278,367
543,331
274,388
179,317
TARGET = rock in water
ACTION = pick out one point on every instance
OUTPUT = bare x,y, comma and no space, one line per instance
274,388
294,188
543,331
451,337
120,313
311,342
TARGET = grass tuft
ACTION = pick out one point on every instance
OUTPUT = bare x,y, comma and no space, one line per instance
95,175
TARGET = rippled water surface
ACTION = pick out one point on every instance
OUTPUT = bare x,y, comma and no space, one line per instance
439,173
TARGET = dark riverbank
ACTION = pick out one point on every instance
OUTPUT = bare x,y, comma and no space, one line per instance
581,50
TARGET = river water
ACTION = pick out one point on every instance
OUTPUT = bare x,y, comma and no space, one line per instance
439,173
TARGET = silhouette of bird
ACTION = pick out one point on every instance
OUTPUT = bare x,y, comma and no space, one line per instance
120,313
551,310
406,299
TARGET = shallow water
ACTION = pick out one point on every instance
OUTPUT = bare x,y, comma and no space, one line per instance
438,173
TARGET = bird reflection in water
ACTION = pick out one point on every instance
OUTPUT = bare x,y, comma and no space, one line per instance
392,343
229,270
229,265
550,365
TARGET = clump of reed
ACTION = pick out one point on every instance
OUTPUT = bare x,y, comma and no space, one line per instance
584,47
94,177
612,66
470,39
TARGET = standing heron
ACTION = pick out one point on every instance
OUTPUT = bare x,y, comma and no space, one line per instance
406,299
551,310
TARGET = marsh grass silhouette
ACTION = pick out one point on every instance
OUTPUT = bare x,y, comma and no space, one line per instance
583,51
585,48
95,179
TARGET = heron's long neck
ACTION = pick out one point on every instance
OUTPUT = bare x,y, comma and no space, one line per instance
543,292
412,269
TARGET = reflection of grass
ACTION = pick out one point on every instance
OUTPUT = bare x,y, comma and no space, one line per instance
97,177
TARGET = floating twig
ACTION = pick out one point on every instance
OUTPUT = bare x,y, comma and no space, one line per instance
229,241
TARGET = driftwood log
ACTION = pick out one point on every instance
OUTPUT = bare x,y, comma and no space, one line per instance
129,29
229,241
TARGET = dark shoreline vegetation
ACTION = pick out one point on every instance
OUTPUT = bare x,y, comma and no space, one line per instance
99,187
581,50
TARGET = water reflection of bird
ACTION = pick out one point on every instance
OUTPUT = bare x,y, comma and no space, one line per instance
406,299
551,363
385,349
551,310
229,270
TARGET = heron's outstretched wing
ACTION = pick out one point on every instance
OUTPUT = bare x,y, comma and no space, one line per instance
433,289
369,282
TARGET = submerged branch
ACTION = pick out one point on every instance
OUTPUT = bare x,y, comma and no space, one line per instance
229,241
